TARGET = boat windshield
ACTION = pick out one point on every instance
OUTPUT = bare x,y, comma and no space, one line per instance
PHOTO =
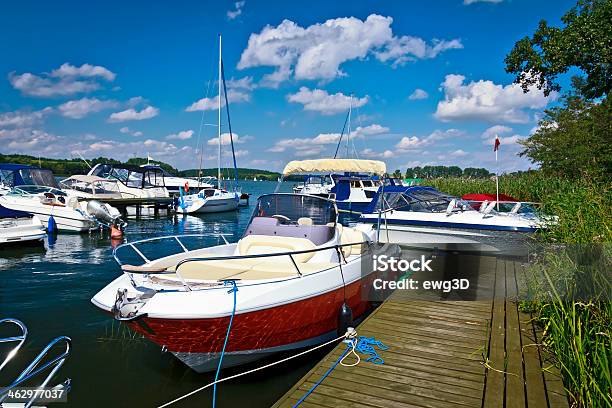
40,177
131,177
317,180
294,215
418,200
92,187
32,190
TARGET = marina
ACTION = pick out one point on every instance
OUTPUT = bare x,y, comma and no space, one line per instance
447,246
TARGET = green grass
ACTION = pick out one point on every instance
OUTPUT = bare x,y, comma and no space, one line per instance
569,281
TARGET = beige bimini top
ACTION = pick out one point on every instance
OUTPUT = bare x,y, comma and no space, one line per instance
335,166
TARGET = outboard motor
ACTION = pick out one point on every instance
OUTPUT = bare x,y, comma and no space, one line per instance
101,213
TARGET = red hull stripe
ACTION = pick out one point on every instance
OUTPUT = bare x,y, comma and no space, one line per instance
277,326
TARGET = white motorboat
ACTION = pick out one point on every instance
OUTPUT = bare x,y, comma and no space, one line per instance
208,201
424,217
21,230
351,183
69,213
91,187
212,200
294,269
174,183
134,181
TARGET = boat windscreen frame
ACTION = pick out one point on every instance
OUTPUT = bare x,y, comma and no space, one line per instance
260,212
144,180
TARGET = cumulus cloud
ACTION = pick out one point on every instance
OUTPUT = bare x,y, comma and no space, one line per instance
318,100
315,145
23,118
237,11
416,143
458,153
468,2
128,131
225,139
205,104
80,108
418,94
65,80
317,51
133,114
387,154
485,100
496,130
182,135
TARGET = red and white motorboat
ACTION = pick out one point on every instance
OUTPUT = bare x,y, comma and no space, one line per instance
294,268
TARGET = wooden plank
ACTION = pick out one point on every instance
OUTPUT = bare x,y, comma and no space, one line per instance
515,383
535,391
495,380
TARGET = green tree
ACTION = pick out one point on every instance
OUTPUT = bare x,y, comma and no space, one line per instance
585,42
573,139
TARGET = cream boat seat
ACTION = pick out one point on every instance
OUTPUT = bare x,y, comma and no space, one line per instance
256,268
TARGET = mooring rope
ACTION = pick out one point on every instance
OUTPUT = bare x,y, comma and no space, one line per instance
343,337
361,344
233,290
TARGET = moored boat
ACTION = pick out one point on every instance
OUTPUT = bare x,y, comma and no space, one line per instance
21,230
293,269
426,218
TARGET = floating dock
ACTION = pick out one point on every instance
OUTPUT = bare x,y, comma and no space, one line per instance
480,354
122,203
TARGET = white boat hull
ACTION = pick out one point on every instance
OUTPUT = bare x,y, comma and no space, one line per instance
16,230
66,218
194,204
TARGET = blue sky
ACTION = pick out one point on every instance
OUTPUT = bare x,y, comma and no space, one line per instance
129,79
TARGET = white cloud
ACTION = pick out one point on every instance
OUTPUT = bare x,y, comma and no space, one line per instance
65,80
387,154
80,108
415,142
407,49
496,130
133,114
418,94
225,139
23,118
309,146
458,153
485,100
126,130
182,135
205,104
318,51
232,14
245,83
468,2
84,71
318,100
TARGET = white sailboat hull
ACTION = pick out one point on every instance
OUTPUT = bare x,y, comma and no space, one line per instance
195,204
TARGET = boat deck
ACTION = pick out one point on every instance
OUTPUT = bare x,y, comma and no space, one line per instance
444,353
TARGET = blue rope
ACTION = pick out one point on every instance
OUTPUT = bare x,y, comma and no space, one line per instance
348,348
363,345
233,290
368,345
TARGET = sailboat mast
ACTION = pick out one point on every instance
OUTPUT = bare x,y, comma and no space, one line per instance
348,134
219,121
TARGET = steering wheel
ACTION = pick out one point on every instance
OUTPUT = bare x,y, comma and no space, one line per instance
281,218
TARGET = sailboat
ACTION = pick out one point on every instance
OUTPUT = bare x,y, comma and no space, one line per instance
210,200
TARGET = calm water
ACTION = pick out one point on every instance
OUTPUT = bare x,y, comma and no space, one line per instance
50,290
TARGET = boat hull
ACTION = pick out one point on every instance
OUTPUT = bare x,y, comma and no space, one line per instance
256,334
209,205
21,230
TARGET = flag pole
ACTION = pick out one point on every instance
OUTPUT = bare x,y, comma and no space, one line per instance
497,171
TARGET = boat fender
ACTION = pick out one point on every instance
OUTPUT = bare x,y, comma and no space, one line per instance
51,225
186,187
345,319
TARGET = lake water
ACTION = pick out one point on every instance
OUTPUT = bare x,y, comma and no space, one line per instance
50,290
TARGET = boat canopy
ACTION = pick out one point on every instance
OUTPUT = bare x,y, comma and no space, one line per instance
12,175
414,198
335,166
130,175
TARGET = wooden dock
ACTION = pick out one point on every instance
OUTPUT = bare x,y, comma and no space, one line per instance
480,353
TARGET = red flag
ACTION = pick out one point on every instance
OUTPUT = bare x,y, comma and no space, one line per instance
497,143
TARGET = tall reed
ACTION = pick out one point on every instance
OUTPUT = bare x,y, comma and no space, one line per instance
570,280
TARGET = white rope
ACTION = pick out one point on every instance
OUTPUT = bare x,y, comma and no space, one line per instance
354,344
347,335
